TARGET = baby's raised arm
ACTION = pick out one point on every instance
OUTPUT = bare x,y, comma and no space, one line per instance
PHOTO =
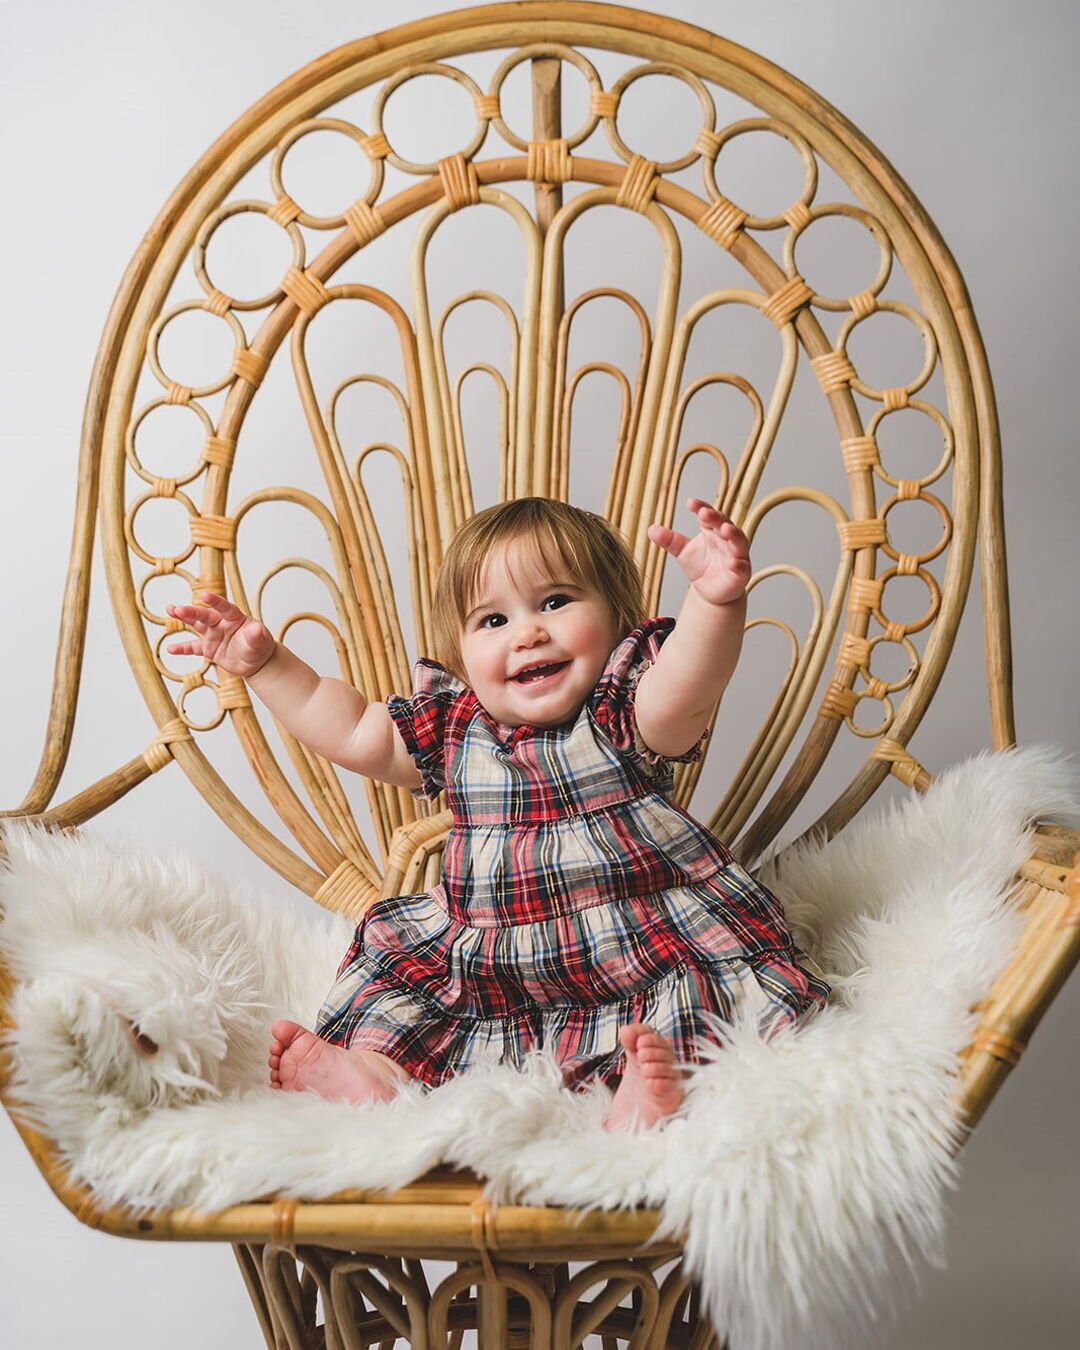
678,693
329,716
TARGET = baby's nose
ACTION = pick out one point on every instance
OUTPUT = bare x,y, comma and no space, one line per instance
529,633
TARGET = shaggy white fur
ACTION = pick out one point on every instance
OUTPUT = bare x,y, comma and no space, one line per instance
807,1173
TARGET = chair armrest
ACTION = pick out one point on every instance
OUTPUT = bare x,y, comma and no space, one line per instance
1048,893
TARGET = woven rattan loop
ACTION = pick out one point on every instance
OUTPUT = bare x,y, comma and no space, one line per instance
902,764
708,143
834,371
798,215
158,753
639,184
839,702
178,394
365,221
345,891
250,366
603,103
173,626
855,534
283,1223
877,688
214,532
284,211
1008,1049
305,291
866,593
375,147
782,306
220,451
218,303
163,487
459,180
895,632
860,453
484,1237
907,564
192,680
854,650
863,304
487,106
232,692
723,221
908,489
549,161
895,398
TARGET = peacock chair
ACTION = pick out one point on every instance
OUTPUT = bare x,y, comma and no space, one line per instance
465,397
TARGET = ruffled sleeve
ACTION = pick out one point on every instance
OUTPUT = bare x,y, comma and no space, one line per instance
611,704
422,719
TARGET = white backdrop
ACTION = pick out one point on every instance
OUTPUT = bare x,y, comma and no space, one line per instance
105,107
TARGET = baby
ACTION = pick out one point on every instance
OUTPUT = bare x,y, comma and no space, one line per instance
579,909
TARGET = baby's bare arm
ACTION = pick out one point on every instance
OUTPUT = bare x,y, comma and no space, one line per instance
329,716
334,719
676,695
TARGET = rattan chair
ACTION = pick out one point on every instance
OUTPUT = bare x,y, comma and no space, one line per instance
364,1253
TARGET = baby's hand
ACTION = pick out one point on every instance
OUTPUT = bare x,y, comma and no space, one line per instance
716,561
227,636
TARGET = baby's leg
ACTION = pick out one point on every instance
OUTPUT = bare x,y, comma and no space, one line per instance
651,1086
299,1060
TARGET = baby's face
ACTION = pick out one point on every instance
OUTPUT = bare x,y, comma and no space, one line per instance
534,644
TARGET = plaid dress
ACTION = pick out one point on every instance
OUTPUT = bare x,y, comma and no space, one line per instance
575,898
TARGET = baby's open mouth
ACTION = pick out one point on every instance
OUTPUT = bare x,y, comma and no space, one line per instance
533,673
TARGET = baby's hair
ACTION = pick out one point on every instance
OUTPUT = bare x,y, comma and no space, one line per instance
591,551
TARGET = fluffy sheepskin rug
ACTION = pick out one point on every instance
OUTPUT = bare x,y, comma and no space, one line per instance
805,1172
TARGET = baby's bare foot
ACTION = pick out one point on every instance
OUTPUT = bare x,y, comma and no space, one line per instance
300,1061
651,1086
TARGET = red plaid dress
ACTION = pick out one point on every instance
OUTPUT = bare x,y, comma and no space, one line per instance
575,898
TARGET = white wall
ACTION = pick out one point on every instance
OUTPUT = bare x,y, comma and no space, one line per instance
106,106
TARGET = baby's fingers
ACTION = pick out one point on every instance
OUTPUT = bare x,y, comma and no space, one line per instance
670,540
709,518
186,648
193,616
213,611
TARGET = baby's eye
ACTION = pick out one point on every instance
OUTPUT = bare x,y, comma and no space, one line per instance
555,602
492,621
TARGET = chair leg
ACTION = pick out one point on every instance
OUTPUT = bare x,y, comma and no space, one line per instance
247,1258
311,1297
493,1330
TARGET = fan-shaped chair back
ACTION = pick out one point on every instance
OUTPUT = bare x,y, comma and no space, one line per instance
327,353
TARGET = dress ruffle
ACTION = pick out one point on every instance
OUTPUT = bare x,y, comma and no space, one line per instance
437,995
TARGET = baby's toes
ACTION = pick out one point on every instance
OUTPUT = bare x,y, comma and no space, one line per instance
632,1037
661,1073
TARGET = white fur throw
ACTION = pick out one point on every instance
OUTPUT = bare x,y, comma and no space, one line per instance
807,1172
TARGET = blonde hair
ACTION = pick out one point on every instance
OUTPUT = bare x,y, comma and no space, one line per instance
592,552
